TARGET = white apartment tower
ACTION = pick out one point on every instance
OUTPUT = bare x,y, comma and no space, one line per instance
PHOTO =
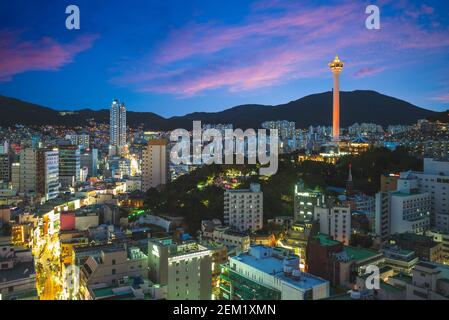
155,164
117,128
48,173
435,181
243,208
408,209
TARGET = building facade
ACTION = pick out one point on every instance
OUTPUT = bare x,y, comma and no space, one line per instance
243,208
186,269
155,164
117,128
265,273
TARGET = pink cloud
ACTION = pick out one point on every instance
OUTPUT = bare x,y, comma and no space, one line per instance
441,98
36,55
266,50
367,71
204,39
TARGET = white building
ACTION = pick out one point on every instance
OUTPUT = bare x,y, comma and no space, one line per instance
82,140
335,221
155,164
405,210
429,281
214,230
435,181
243,208
185,269
15,176
117,128
48,173
277,272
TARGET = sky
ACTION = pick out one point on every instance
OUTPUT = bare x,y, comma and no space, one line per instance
174,57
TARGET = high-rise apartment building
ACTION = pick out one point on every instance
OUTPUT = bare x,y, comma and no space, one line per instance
155,164
185,269
286,129
243,208
117,128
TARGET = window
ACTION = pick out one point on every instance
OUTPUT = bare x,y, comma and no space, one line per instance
113,271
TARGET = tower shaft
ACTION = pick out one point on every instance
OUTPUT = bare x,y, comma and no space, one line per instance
336,108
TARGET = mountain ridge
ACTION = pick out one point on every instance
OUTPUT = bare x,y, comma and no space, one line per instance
315,109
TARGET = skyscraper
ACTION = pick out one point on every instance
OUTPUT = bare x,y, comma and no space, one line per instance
336,67
117,123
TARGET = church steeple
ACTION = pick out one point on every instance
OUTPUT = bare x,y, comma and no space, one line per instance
349,183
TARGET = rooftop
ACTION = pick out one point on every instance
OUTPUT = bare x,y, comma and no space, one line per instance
326,241
19,271
274,266
360,254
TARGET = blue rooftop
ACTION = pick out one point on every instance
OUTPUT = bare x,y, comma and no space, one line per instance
262,259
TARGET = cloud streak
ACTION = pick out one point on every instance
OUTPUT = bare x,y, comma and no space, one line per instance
45,54
269,48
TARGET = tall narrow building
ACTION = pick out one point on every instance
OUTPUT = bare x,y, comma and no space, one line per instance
5,169
48,173
336,67
28,173
117,128
155,164
69,165
243,208
349,183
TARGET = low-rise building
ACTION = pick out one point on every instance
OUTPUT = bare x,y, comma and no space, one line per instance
265,273
330,259
429,281
113,265
17,274
400,260
233,239
425,248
